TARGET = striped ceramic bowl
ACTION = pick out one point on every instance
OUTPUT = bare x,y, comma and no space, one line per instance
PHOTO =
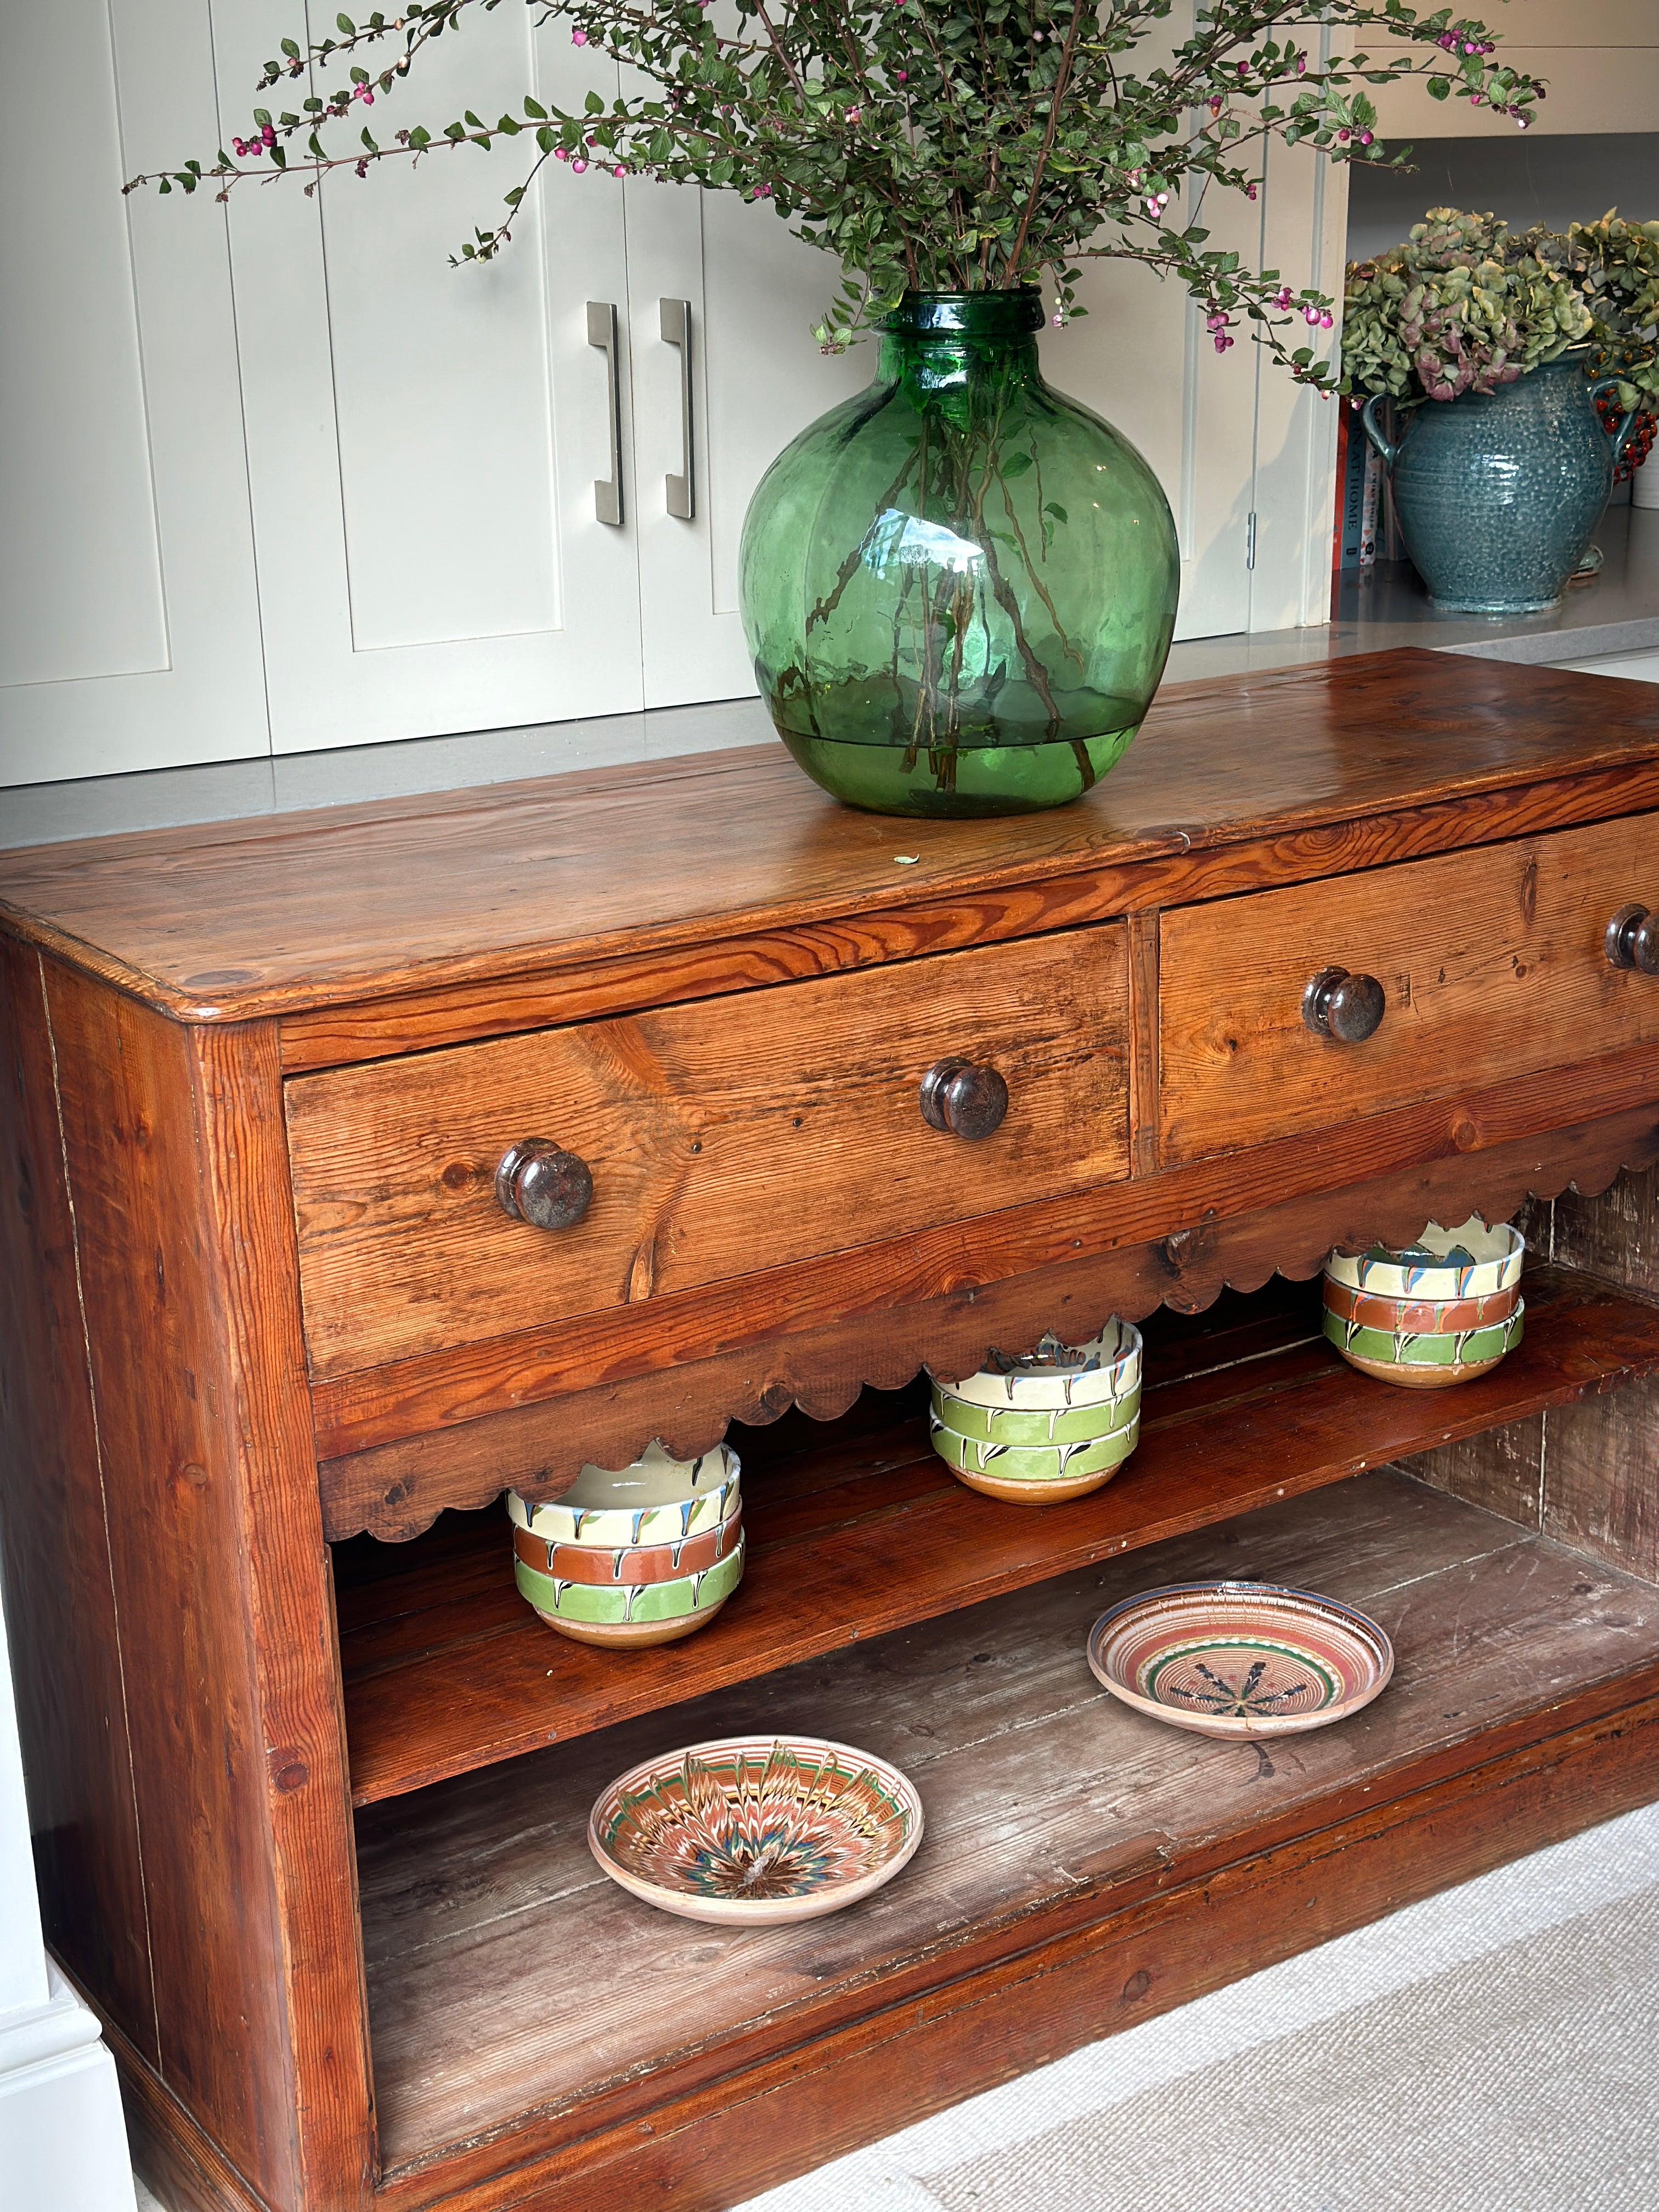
1049,1427
635,1555
629,1615
1418,1316
1466,1262
657,1500
1426,1359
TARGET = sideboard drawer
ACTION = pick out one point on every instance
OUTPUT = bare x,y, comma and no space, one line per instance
723,1137
1491,964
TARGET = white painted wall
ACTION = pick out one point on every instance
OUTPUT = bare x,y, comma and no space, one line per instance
1600,59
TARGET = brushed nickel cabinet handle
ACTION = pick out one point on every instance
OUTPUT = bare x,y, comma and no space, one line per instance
602,333
1348,1008
680,491
540,1183
961,1099
1633,940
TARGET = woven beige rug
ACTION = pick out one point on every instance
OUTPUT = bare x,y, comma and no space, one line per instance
1493,2050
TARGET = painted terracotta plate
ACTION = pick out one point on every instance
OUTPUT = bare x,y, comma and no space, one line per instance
757,1830
1240,1659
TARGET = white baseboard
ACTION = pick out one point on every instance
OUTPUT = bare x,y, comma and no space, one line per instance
62,2141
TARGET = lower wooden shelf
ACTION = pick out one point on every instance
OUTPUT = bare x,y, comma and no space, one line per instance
857,1532
1082,1866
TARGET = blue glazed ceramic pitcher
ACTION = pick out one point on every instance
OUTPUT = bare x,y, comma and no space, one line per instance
1498,493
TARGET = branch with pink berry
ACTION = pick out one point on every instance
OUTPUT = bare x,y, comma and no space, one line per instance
940,145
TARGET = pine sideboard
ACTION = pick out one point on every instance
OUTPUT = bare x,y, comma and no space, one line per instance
1334,952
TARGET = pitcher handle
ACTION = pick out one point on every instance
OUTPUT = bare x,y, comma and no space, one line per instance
1367,419
1598,385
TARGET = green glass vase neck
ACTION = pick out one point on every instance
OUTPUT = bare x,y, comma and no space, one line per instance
940,341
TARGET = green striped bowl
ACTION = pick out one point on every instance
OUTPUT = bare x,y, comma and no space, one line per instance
1029,1426
1474,1348
1036,1463
631,1606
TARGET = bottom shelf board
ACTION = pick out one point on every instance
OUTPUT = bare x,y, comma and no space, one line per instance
509,1982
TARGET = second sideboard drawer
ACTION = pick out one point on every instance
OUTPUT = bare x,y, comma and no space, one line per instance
721,1136
1491,964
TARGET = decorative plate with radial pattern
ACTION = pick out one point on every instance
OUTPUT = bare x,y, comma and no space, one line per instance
756,1829
1240,1659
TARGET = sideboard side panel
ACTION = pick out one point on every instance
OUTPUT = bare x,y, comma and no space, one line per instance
175,1432
59,1595
289,1580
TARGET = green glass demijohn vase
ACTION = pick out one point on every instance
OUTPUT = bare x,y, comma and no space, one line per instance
959,587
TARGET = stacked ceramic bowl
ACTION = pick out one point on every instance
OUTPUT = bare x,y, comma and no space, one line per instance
1045,1427
634,1555
1441,1310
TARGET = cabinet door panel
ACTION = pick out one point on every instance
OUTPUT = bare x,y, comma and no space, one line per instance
424,441
128,624
758,378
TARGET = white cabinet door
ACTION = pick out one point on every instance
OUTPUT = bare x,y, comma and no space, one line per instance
757,377
424,442
1245,455
129,621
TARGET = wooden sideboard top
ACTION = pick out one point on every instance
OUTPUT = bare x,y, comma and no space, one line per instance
283,914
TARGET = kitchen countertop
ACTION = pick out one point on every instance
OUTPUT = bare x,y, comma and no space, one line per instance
1617,611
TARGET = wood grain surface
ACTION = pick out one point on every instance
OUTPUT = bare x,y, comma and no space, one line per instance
446,1667
530,1412
172,1146
295,1787
725,1139
349,903
759,976
165,1404
1491,962
508,1976
566,987
60,1598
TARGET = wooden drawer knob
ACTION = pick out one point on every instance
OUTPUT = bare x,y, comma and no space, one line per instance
1633,940
1346,1008
962,1099
540,1183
